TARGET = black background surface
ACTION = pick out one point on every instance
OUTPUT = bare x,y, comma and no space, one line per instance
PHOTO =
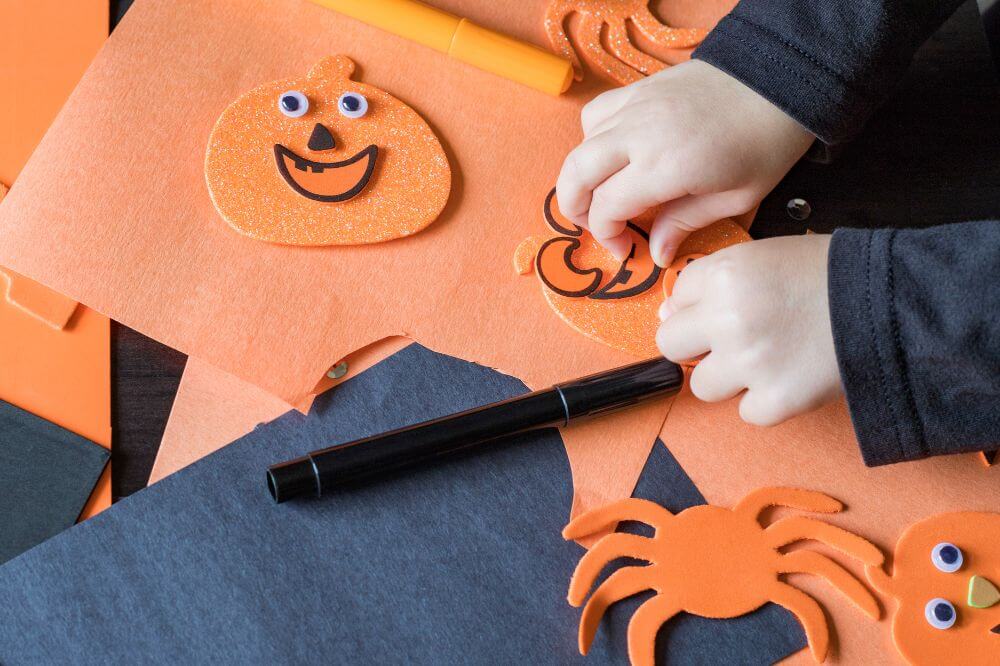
928,157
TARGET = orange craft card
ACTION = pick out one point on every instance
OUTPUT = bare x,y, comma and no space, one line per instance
727,459
153,252
54,356
213,408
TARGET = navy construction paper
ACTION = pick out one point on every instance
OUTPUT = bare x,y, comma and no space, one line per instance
46,475
457,563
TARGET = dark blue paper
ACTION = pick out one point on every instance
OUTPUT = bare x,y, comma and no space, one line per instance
46,475
458,563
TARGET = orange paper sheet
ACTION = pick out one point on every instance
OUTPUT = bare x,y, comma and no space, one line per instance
727,458
213,408
152,252
60,375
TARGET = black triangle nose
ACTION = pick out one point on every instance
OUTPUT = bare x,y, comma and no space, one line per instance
321,138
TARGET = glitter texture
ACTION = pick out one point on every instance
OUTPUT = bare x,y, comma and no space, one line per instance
404,192
614,53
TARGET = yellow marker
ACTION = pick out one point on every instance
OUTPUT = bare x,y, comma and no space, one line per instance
463,40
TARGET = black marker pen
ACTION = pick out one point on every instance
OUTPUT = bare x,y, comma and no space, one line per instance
325,471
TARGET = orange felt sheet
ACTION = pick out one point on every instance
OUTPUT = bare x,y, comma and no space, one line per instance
727,458
60,375
152,252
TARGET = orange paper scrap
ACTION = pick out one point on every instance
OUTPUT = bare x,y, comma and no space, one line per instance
213,408
156,257
54,356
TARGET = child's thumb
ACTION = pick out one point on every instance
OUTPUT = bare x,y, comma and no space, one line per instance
677,219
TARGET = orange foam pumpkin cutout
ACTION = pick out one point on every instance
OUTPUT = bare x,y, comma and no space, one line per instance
715,562
945,578
325,160
613,302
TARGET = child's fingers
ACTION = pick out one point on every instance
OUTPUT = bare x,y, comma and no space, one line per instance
690,284
713,379
621,197
587,166
619,246
602,107
762,407
682,336
678,218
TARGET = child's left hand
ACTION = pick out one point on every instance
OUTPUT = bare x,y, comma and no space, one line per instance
761,311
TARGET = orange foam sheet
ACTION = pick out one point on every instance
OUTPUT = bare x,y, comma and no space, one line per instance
154,254
54,356
727,458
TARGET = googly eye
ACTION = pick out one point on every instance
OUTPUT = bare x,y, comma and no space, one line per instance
947,557
352,105
940,614
293,104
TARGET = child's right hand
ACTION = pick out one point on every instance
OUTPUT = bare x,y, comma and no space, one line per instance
691,137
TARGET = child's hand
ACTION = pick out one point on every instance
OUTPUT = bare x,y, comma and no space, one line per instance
689,135
761,310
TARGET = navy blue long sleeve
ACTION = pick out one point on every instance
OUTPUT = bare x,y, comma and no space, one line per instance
915,313
827,63
916,323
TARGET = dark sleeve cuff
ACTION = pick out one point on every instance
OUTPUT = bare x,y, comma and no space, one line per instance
787,75
866,337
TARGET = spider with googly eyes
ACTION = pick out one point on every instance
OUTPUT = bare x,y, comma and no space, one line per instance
946,581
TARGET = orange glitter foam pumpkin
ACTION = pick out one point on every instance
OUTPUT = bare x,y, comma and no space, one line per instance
613,302
945,579
324,160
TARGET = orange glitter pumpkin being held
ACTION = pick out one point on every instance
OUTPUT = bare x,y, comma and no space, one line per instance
613,302
324,160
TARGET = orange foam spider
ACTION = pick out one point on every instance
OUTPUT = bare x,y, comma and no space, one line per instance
715,562
625,63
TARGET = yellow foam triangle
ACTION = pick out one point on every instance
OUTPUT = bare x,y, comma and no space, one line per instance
982,592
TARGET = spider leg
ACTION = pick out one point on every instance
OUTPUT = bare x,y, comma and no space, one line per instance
799,528
590,40
610,515
644,626
555,28
811,562
665,35
806,500
621,584
594,560
809,614
621,45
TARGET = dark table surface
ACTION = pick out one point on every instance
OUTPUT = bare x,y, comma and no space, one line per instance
928,157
